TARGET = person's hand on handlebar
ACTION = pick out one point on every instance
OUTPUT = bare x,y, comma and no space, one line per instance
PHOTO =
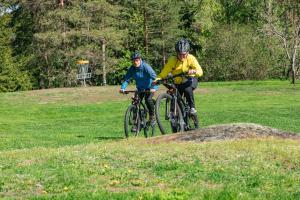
155,81
192,71
122,91
152,90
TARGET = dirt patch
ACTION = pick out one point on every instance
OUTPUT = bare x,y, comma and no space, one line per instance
227,132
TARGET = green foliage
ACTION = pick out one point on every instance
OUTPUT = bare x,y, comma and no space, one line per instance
281,21
48,38
238,53
152,28
197,20
64,34
242,12
118,72
11,77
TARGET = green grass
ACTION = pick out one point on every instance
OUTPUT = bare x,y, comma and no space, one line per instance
67,144
246,169
270,103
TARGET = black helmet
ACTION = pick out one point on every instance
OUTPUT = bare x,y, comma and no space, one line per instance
135,55
182,46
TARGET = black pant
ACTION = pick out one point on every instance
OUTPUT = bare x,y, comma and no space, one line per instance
149,101
187,89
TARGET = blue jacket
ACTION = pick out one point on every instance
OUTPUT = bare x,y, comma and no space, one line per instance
143,75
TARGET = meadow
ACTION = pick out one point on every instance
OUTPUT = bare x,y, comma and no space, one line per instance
69,144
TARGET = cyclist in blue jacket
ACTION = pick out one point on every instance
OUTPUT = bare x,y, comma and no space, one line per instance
144,75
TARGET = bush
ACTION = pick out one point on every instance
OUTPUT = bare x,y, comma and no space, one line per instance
237,52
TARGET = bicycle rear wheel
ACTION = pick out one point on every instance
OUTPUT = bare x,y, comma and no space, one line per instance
167,121
132,123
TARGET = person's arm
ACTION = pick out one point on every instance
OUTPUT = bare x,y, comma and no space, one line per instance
195,66
166,69
152,75
150,71
127,78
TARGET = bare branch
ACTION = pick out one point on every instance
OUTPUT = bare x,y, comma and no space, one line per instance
284,40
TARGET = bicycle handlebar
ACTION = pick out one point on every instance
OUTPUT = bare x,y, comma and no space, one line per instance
129,91
184,74
134,91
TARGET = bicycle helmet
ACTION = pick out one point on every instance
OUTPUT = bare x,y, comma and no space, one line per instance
182,46
135,55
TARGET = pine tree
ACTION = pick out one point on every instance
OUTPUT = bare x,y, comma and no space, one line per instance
11,77
66,31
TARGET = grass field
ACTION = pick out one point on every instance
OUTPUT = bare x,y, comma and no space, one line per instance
68,144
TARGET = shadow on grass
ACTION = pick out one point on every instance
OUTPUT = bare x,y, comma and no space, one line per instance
103,137
109,138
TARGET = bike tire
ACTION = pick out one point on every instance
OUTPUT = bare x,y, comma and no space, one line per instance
130,121
163,116
143,115
193,122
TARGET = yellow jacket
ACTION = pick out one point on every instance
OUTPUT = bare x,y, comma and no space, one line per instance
176,66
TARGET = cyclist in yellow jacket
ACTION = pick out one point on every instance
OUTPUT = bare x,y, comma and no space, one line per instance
183,62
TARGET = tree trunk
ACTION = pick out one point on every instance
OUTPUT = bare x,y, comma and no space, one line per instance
293,63
103,62
63,28
293,70
163,41
145,27
164,53
61,3
63,45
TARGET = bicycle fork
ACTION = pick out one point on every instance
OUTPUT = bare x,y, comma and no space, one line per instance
168,108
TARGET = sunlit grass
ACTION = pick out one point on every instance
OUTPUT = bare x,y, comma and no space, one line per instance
245,169
68,144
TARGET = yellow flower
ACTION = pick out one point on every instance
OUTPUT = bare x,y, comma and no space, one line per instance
114,182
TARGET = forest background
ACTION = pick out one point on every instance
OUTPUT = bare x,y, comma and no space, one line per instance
42,40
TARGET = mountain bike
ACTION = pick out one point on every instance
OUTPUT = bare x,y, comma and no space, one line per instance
136,116
172,110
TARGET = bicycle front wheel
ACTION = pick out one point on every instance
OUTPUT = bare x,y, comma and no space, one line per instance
132,123
167,120
192,122
143,117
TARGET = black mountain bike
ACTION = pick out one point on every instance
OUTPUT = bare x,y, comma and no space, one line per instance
136,117
172,110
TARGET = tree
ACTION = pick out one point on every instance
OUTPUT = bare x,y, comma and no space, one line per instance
241,11
12,78
105,27
152,28
63,31
282,20
238,52
163,22
197,20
